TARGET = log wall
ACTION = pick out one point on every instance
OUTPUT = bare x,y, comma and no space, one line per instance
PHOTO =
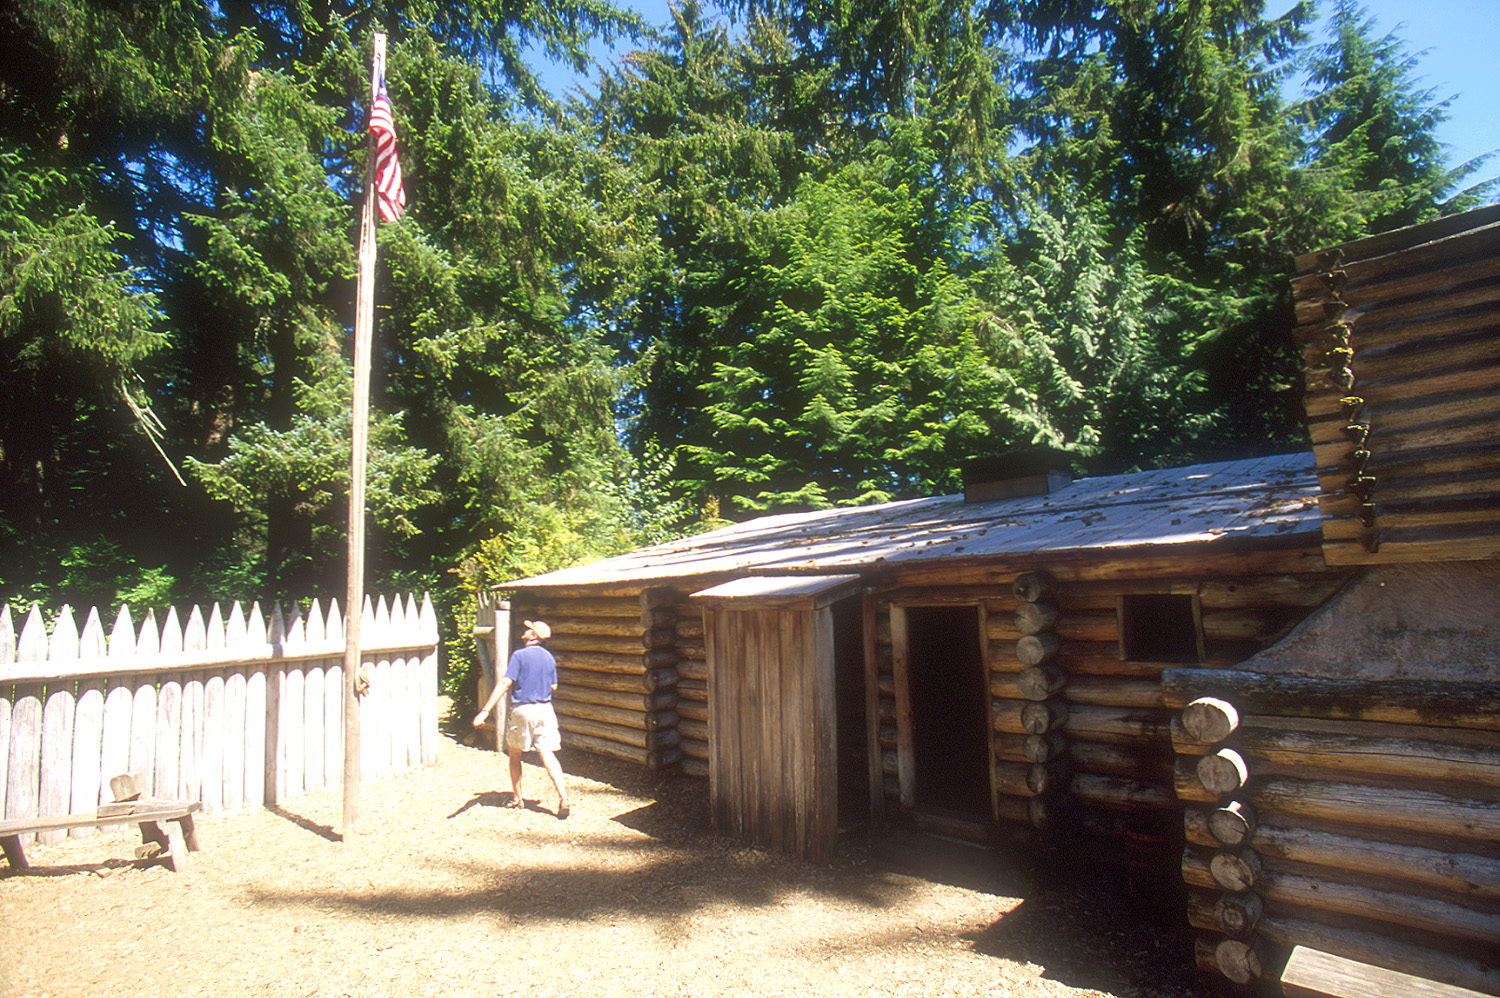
1358,817
617,671
1081,738
692,685
1400,335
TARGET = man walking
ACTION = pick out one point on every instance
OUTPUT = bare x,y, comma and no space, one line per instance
532,674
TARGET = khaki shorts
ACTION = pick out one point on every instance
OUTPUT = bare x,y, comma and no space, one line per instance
533,727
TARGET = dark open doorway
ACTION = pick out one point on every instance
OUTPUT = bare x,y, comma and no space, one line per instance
949,710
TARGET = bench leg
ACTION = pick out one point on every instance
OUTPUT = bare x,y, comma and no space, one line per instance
165,837
176,846
189,832
13,852
153,841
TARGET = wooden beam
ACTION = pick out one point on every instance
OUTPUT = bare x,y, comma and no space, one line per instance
869,637
1312,973
900,663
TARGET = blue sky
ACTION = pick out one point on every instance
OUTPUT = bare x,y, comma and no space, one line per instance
1456,41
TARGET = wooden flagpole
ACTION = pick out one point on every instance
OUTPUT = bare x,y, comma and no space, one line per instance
364,326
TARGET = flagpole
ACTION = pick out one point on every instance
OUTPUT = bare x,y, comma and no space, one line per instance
364,325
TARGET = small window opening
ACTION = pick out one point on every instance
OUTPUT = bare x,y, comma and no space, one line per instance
1156,627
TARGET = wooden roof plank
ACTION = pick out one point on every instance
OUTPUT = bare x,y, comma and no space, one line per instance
1259,497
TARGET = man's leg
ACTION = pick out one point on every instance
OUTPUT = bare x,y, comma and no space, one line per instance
515,776
554,770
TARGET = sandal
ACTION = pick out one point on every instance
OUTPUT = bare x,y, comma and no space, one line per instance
563,810
514,802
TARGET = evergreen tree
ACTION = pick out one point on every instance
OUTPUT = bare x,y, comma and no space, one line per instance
93,98
1371,132
857,375
180,219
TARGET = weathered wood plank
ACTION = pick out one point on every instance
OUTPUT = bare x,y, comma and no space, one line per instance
56,784
618,733
1386,422
168,749
1443,290
429,679
1435,756
6,692
259,704
190,742
314,685
24,762
143,732
1394,908
1430,331
1392,950
1395,240
1459,874
1462,546
114,748
24,765
1398,701
212,753
1324,399
233,793
635,700
1119,725
1354,804
579,607
88,739
1311,973
901,666
626,718
1410,260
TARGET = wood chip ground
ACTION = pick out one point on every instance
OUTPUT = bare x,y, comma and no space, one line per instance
446,892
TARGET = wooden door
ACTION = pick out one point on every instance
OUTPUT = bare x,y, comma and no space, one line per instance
773,712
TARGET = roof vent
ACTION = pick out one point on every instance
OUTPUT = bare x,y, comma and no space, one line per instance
1034,471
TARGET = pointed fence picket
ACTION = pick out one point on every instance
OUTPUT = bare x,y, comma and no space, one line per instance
232,709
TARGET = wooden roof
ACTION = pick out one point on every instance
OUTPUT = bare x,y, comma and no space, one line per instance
1201,505
788,591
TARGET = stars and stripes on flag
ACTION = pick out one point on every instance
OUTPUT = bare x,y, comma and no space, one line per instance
388,187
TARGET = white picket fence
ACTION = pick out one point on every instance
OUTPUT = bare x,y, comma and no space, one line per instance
234,711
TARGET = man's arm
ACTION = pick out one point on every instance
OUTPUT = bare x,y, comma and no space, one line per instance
489,705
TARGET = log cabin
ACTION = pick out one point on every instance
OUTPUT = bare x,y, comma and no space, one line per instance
1276,680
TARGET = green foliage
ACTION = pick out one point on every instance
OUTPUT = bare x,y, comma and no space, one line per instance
858,377
309,463
1088,326
819,257
1370,140
96,573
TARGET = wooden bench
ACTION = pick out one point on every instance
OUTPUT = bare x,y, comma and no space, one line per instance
1311,973
166,825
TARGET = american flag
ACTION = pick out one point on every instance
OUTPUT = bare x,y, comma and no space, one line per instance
387,166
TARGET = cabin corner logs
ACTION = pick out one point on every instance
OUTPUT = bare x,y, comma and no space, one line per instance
1359,817
1082,758
1402,390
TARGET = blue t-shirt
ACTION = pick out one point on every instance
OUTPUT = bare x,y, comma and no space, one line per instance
533,670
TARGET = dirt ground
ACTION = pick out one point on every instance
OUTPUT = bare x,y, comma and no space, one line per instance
445,891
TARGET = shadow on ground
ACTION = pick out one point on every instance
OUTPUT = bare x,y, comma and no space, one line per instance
1085,927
